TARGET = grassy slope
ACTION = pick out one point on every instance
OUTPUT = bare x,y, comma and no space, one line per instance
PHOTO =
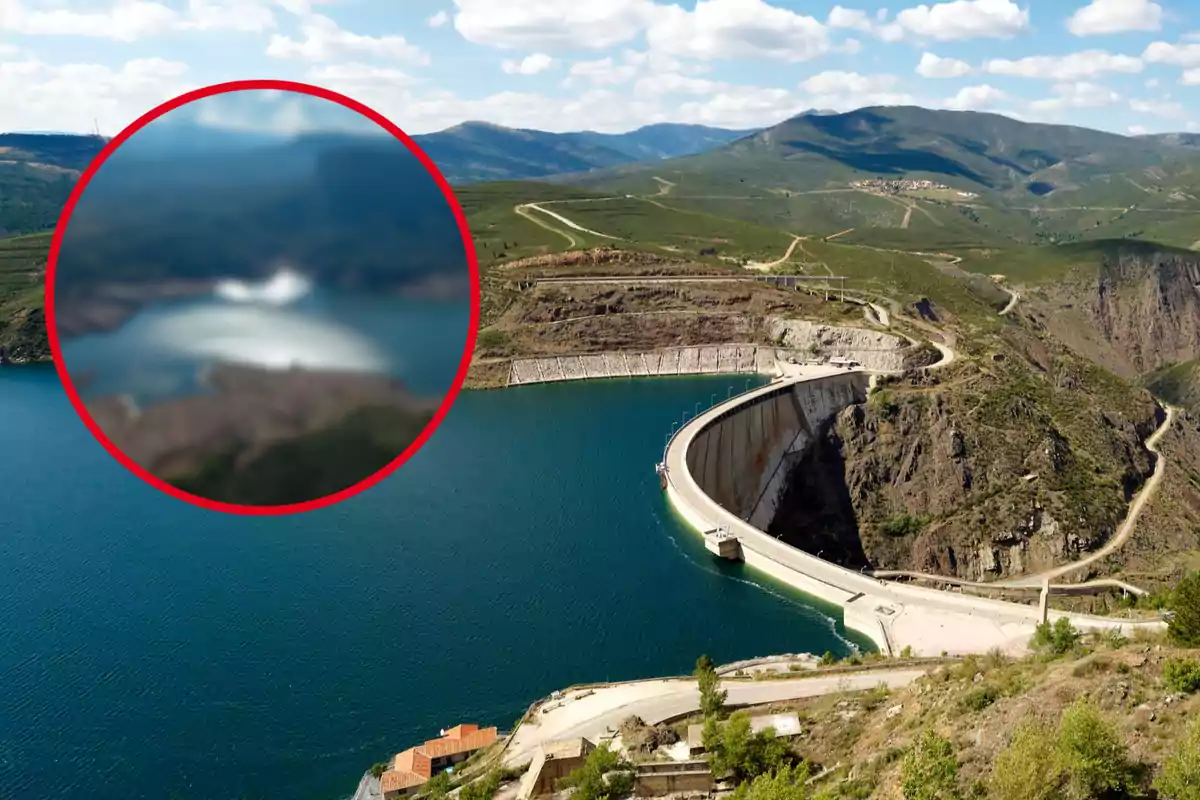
862,738
22,266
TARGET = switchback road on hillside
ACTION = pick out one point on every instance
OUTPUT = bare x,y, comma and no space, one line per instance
763,267
1127,527
597,713
569,223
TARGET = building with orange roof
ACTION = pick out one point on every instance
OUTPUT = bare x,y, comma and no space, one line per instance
410,769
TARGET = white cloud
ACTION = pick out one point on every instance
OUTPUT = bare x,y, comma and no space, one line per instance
965,19
850,18
1078,94
130,20
1180,55
551,26
729,29
1073,66
1159,108
530,65
1190,77
933,66
246,16
713,29
1102,17
848,90
359,74
325,41
1152,83
437,20
671,83
75,97
600,72
976,98
1137,130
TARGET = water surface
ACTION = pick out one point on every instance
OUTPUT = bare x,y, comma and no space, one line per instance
149,648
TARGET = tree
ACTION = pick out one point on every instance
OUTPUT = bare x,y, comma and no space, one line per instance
1184,625
1027,769
743,754
1179,778
712,698
1092,755
1056,638
930,769
589,781
785,783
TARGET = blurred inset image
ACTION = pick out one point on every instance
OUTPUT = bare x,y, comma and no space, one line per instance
262,298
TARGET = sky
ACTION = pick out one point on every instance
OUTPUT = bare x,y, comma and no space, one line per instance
1127,66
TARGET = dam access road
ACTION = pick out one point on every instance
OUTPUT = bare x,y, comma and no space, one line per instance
596,714
725,473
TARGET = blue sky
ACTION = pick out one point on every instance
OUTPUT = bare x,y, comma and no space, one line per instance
1128,66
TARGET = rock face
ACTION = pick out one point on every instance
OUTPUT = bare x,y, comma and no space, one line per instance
873,349
981,478
1140,310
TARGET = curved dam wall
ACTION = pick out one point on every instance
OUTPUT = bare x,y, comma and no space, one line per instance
724,471
743,457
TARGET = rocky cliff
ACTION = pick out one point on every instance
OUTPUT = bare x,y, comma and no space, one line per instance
980,473
1136,311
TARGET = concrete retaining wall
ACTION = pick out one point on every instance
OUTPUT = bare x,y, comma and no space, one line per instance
713,359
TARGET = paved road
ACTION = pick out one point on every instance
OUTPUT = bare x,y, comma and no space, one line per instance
602,712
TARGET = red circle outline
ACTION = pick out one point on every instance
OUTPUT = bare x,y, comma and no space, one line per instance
311,91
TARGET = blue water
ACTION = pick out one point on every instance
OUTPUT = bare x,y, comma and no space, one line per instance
161,351
149,648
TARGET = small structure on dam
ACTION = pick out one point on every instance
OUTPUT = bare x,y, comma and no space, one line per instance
723,543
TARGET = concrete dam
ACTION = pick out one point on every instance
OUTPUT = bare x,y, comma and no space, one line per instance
725,471
743,458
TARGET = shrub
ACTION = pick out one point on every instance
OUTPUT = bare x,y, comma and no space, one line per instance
1092,755
378,769
1179,777
903,525
1026,769
907,652
1115,639
828,659
1182,674
738,752
1184,625
930,769
588,781
980,698
1055,638
785,783
482,789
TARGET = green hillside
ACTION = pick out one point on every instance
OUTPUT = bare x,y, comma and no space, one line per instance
22,271
37,174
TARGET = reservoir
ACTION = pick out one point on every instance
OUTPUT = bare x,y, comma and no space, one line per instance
150,648
162,350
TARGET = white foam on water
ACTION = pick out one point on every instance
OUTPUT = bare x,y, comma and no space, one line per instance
265,336
286,286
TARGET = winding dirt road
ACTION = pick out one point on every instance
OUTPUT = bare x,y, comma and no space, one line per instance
1127,527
